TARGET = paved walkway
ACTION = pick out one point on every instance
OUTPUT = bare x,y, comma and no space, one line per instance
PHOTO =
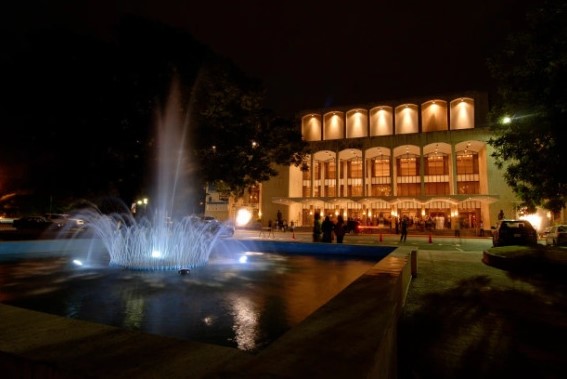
464,319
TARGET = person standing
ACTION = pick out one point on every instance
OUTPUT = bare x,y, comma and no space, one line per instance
317,228
340,229
397,223
404,229
270,229
501,215
279,220
328,227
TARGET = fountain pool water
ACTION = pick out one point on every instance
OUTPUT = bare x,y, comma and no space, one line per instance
245,304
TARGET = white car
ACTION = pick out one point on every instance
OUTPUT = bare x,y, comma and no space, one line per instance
224,229
557,236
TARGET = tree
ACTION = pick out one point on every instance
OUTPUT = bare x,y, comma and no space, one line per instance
237,141
529,114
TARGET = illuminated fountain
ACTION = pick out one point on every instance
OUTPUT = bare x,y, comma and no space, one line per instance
239,294
157,244
154,240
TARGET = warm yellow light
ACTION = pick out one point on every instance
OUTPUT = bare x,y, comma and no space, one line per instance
506,119
243,217
533,219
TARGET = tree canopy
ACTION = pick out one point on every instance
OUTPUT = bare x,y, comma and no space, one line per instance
529,113
237,140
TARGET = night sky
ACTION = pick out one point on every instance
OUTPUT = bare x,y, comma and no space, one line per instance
313,54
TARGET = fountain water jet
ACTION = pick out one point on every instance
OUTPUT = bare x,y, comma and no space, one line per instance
159,241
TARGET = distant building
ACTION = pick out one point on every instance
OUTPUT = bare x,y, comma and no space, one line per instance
426,159
422,158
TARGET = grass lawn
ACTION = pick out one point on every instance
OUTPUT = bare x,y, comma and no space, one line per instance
518,255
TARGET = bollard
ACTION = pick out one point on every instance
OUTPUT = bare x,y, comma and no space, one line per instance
413,258
430,241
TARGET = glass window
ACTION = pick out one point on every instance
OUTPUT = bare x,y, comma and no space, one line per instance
409,189
408,165
354,168
436,164
380,167
437,188
331,191
306,174
330,170
381,190
467,163
468,187
467,170
317,170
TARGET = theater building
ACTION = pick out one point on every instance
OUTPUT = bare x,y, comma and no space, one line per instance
426,159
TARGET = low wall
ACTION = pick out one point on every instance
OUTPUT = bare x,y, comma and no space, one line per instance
351,336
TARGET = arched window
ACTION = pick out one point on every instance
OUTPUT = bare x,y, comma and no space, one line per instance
436,174
408,178
468,181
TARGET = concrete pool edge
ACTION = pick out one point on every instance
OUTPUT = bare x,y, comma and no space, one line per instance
353,335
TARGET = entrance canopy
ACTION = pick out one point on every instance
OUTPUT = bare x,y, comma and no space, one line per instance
388,201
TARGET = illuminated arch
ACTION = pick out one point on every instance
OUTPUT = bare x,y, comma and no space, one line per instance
357,123
311,127
434,116
407,119
462,113
333,125
381,121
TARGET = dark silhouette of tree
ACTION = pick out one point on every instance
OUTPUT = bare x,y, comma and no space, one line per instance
532,92
237,140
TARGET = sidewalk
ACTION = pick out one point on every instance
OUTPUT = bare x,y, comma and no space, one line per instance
465,319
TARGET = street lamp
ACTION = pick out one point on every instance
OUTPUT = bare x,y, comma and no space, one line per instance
506,120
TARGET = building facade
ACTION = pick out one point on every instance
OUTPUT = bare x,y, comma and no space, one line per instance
426,159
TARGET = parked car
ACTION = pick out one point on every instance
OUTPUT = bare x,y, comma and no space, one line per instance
545,232
58,218
65,220
514,232
223,229
33,222
557,236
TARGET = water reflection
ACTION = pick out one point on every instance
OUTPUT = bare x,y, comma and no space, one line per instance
243,305
245,322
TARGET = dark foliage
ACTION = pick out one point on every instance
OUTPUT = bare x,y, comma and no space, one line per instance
531,73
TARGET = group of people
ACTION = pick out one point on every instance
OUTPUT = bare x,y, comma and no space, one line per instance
326,230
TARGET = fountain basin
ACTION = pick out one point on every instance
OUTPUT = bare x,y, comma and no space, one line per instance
362,317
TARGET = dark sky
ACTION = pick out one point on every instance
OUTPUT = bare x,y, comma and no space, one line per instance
313,54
